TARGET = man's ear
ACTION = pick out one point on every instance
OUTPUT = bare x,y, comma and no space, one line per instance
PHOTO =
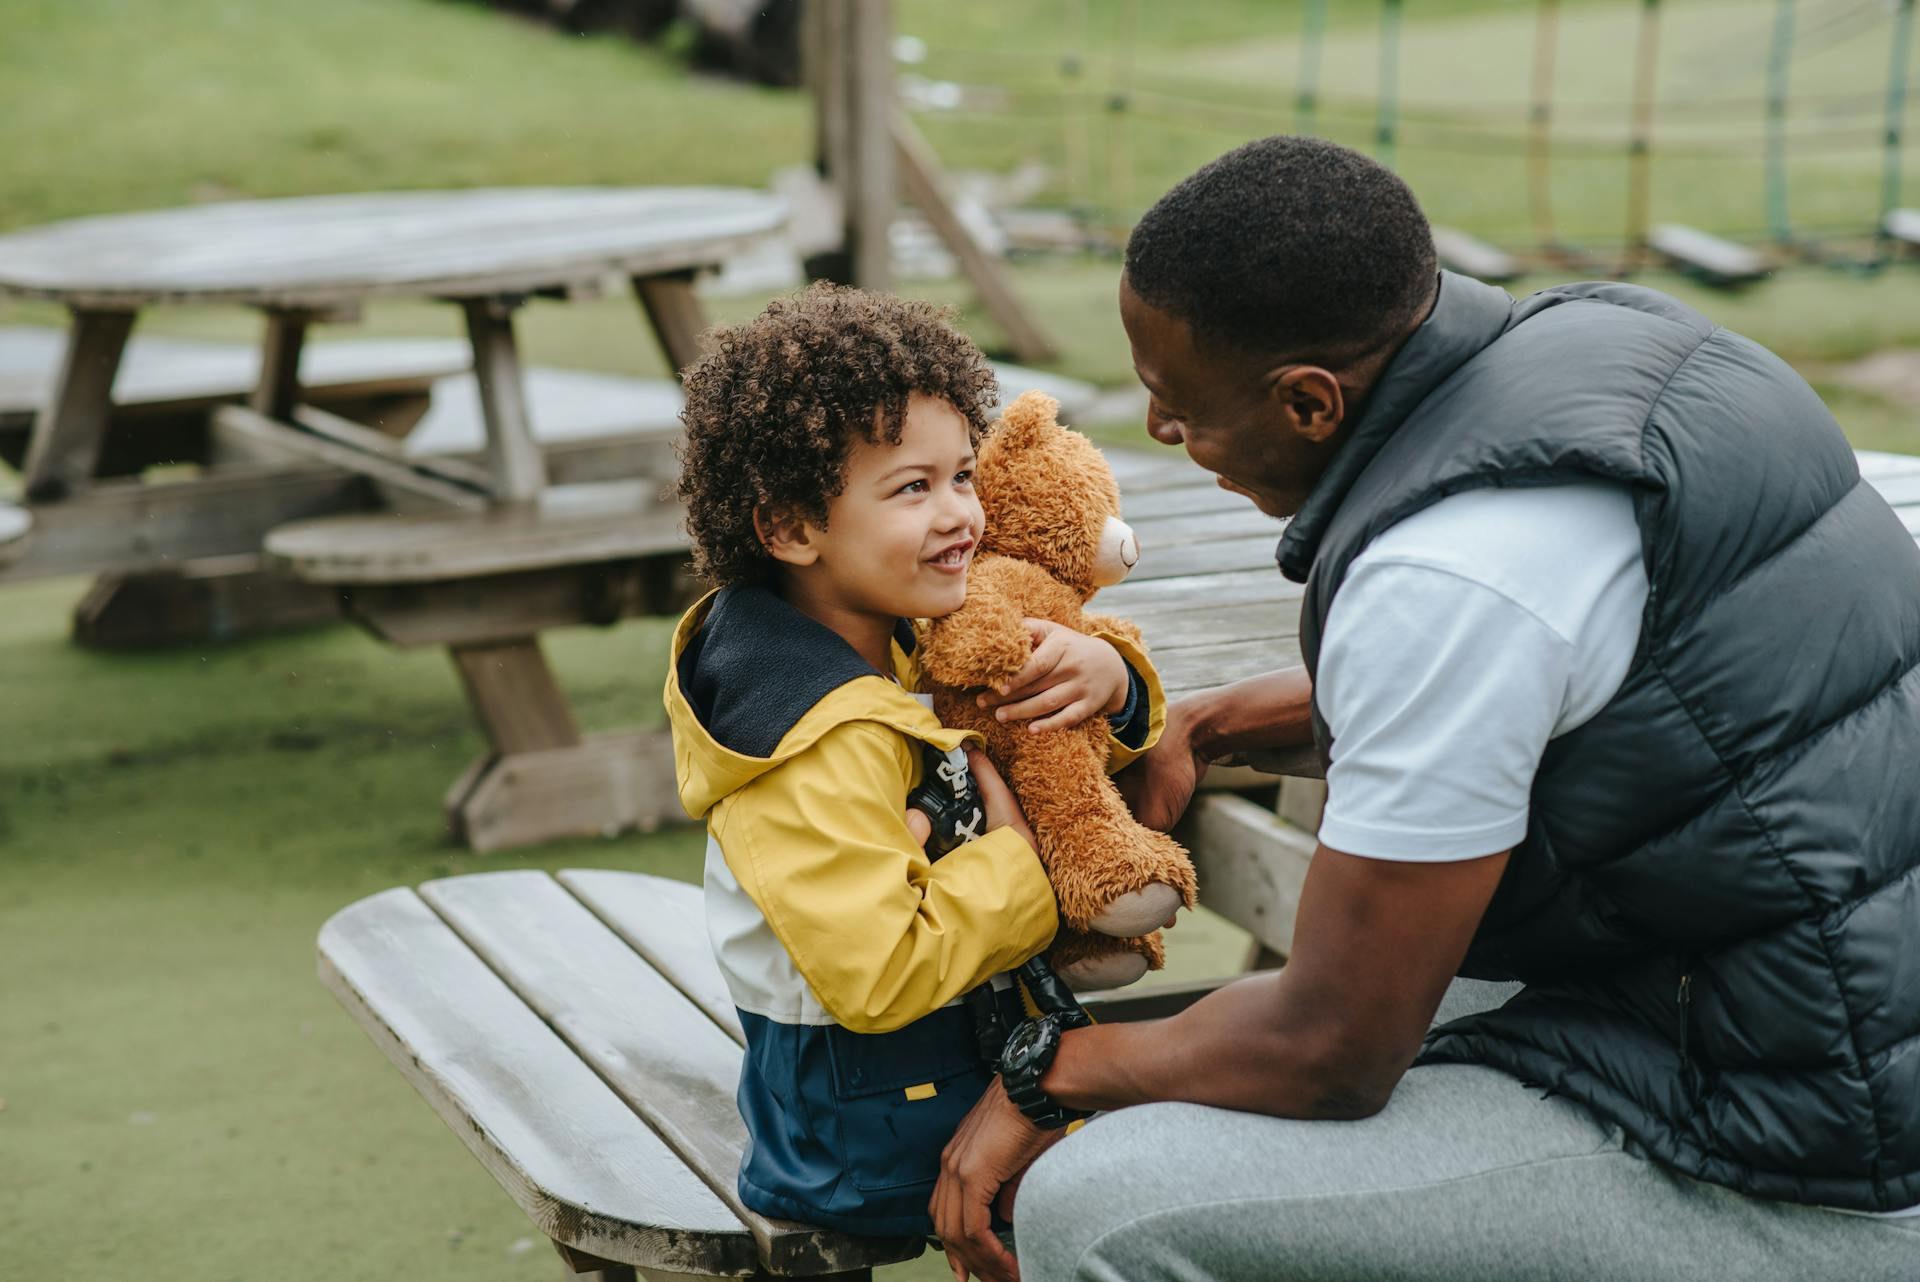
787,537
1310,400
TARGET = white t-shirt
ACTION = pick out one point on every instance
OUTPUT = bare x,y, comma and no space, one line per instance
1464,639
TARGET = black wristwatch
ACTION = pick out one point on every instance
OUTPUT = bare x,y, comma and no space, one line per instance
1024,1062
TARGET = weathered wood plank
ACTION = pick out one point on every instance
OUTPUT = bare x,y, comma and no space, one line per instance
127,525
320,252
603,786
278,388
165,376
1226,587
513,460
1251,863
219,599
924,184
1201,667
669,1062
515,696
1177,529
1702,254
663,921
564,1146
342,431
674,311
69,428
501,607
312,447
1474,257
1245,552
569,525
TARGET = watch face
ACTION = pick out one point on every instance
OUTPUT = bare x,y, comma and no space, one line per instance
1026,1039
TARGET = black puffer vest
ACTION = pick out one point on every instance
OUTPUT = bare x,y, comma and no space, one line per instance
1716,908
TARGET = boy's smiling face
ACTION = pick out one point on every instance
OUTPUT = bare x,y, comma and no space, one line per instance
900,534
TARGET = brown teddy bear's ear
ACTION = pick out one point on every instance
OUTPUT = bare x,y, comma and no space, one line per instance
1031,416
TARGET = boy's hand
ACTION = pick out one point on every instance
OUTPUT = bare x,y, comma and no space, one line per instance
1068,678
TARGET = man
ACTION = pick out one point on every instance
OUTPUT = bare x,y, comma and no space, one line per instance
1616,666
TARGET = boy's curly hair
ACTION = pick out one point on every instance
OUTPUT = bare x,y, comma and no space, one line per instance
774,405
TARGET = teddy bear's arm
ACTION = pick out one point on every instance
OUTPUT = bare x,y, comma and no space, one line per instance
1118,627
986,639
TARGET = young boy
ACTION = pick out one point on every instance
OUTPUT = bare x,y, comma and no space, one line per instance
827,473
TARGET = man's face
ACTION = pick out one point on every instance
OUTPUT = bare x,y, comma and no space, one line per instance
1265,432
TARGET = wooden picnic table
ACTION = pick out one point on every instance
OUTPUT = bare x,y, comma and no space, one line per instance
576,1033
313,258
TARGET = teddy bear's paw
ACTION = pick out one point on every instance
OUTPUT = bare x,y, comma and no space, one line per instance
1107,970
1138,912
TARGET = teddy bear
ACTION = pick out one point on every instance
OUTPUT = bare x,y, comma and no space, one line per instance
1053,537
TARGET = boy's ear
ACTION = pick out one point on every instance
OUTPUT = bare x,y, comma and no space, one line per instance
786,537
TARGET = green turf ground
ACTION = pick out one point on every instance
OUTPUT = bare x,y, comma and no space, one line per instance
182,1100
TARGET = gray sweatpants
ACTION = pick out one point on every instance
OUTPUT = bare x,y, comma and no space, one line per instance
1466,1175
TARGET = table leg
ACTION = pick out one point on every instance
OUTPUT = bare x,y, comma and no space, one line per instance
68,430
513,691
513,459
541,778
279,387
676,315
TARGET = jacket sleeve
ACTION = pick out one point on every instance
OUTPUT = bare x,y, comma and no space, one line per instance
1119,754
881,934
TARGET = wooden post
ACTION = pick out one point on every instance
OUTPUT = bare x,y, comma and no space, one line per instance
515,697
674,311
68,431
513,460
279,386
871,191
922,176
848,64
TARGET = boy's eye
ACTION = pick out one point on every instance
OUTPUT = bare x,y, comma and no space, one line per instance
913,487
964,477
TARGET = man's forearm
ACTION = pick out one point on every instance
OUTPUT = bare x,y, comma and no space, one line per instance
1272,710
1241,1047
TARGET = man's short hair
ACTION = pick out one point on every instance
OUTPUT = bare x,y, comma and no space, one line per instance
774,405
1287,246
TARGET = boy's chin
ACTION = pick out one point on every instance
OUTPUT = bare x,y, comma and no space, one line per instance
937,605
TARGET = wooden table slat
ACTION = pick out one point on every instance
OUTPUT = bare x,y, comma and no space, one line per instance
568,525
576,1159
317,251
659,1053
662,920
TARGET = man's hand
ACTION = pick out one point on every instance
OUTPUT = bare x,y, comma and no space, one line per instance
993,1147
1068,678
1159,786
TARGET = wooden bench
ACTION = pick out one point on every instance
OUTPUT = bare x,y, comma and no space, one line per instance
576,1033
165,387
1471,256
1706,257
485,584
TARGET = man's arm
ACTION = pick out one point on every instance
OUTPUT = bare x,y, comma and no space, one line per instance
1329,1036
1375,945
1273,710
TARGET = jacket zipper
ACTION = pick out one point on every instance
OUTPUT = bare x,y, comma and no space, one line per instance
1684,1000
